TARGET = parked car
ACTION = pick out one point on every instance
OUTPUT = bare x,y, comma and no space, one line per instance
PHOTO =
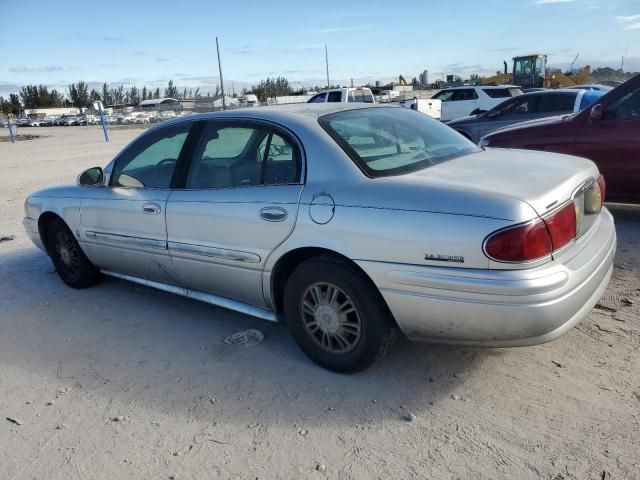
607,133
525,107
469,100
137,118
342,95
345,222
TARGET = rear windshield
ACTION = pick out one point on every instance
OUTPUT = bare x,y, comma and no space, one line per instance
394,140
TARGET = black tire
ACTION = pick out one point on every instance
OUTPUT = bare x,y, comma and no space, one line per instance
70,262
376,329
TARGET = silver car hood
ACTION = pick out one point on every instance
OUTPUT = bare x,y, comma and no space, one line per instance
541,179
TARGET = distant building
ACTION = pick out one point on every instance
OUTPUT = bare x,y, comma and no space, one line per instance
378,84
160,104
424,78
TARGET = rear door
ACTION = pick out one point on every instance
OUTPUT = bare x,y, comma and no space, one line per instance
239,202
613,143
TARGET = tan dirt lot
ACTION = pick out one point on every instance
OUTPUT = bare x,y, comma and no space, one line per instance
121,381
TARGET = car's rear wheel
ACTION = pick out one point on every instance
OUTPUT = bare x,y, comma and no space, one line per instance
70,262
336,315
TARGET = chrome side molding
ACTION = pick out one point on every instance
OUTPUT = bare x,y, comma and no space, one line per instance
215,252
126,240
201,296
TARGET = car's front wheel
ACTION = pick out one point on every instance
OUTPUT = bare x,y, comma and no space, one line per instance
73,266
336,315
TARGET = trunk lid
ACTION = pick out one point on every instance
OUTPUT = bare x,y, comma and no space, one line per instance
543,180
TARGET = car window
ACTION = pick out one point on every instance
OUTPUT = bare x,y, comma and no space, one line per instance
150,161
444,95
319,98
367,96
355,96
464,94
334,97
389,141
626,107
527,104
282,162
241,155
558,102
498,92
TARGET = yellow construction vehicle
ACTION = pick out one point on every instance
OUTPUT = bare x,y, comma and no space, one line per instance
530,71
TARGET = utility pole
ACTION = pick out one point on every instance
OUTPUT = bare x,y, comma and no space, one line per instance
622,62
326,61
224,103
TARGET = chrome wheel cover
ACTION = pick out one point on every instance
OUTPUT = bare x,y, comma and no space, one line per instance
330,317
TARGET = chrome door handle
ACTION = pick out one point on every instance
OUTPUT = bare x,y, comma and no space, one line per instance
272,214
151,208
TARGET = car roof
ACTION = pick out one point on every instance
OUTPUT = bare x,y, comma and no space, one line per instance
288,110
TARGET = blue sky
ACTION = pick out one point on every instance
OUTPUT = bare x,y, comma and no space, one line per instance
56,42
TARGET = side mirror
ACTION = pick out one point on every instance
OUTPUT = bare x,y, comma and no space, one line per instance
596,112
91,176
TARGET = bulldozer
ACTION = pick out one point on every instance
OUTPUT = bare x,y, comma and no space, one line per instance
530,71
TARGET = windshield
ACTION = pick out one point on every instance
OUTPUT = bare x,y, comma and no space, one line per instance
394,140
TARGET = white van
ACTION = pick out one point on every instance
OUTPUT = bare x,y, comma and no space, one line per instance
352,94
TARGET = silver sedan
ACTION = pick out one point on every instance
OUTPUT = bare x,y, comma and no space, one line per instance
345,222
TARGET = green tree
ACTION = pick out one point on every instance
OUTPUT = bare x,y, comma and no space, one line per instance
271,87
156,94
134,95
144,93
117,95
39,96
171,91
79,94
105,96
94,96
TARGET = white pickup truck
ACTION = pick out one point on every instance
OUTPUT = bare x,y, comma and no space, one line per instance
471,99
350,94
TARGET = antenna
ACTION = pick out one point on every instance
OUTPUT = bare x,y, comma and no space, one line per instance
326,61
224,105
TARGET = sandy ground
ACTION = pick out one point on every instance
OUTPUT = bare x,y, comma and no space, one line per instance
121,381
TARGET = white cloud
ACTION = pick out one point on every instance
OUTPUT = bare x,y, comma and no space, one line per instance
547,2
627,18
631,22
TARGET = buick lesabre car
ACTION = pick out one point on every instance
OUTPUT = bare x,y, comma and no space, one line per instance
347,223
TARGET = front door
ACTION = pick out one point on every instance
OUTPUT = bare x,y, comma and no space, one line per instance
123,223
239,202
613,143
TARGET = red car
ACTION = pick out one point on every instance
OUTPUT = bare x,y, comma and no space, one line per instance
607,133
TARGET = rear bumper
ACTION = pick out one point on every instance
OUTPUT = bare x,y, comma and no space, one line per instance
31,227
499,308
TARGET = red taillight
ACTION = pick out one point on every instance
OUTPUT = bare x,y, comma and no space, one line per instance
562,225
534,240
520,244
603,188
